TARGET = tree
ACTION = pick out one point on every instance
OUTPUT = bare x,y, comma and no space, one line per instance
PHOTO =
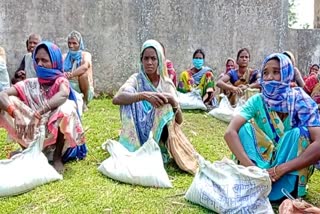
305,26
292,15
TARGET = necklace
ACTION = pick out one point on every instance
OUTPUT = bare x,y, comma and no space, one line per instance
45,89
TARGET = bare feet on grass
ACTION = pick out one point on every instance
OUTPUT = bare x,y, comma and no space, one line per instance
58,165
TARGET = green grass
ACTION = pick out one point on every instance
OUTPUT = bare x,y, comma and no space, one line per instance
85,190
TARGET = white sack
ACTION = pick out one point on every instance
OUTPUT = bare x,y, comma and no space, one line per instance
225,187
142,167
27,170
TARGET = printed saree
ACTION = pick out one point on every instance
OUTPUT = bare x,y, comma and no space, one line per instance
268,142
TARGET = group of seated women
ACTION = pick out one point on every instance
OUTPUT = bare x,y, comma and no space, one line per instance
277,129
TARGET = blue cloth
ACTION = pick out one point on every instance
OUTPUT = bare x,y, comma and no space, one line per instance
143,115
140,118
76,153
197,76
280,97
74,56
234,77
269,142
49,76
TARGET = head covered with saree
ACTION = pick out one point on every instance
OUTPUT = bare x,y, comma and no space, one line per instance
47,75
162,68
280,97
228,66
74,56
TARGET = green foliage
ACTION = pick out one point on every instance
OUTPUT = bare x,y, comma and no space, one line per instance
306,26
85,190
292,15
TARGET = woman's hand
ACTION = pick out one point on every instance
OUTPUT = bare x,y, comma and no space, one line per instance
293,84
275,173
243,87
32,126
20,124
68,75
156,99
237,90
171,100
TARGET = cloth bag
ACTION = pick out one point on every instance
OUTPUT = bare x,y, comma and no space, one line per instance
181,149
191,100
143,167
27,170
225,187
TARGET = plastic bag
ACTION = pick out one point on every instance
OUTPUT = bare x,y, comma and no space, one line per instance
143,167
27,170
296,206
191,100
225,111
225,187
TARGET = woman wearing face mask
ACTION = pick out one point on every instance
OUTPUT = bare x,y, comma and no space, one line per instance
78,67
278,130
200,77
47,99
241,79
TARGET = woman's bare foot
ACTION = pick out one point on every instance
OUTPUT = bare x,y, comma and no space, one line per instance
58,165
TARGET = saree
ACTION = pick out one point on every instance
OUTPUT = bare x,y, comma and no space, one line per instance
30,98
202,80
139,118
268,142
249,77
312,87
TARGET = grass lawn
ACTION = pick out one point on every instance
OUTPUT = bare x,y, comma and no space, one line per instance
85,190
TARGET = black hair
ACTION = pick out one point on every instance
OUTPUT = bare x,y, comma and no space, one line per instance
315,65
147,48
288,55
241,50
198,51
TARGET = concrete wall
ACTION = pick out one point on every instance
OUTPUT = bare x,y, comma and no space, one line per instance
114,31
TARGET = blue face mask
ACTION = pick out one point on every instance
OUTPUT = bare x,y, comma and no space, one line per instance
198,63
75,54
275,88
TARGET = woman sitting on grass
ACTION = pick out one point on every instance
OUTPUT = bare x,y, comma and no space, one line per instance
198,77
283,134
148,101
45,100
240,79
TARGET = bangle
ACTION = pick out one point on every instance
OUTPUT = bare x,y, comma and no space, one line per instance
139,97
37,115
10,109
